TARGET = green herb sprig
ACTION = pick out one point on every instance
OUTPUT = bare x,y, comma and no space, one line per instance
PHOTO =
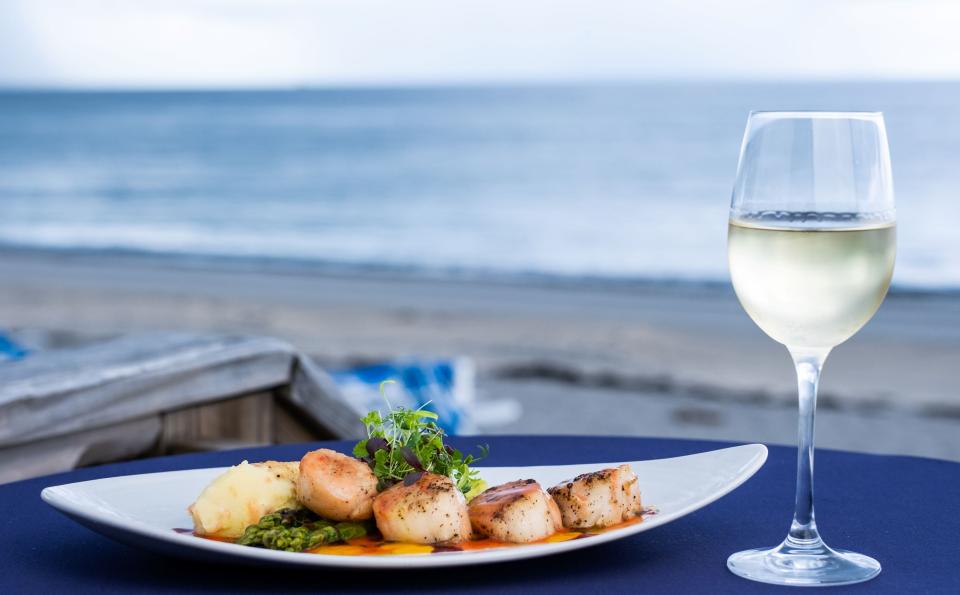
405,442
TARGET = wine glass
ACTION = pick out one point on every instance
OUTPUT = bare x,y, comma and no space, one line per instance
811,246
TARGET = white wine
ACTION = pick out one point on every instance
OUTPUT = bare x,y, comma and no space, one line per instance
811,288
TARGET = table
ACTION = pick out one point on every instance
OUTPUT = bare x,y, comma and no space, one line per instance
905,511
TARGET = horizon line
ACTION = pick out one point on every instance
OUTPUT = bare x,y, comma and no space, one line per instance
466,84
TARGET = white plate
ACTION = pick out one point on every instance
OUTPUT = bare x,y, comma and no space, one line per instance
144,510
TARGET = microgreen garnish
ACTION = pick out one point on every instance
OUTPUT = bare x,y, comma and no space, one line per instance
408,441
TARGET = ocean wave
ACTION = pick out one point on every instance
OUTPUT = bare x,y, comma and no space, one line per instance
608,183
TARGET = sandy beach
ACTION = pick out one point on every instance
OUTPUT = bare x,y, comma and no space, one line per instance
552,356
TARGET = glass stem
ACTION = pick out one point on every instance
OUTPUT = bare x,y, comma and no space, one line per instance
803,530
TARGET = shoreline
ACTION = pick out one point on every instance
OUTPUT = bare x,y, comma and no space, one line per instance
650,359
291,265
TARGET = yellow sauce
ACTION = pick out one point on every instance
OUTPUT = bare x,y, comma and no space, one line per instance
368,546
371,546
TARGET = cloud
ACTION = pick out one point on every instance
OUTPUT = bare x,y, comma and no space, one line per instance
214,43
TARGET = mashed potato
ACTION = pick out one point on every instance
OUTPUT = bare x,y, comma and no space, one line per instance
243,494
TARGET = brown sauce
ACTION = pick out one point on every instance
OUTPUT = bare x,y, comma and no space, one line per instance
371,546
375,546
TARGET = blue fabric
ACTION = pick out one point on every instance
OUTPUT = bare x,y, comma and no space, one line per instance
901,510
427,384
9,350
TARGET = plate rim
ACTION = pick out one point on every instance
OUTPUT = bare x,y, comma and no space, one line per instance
57,497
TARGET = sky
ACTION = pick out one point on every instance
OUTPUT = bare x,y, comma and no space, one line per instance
283,43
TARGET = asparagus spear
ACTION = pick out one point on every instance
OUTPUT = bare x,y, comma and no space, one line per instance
296,530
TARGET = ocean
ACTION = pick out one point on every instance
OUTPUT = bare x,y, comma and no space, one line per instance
621,182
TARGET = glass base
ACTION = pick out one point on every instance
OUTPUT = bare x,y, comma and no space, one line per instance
814,565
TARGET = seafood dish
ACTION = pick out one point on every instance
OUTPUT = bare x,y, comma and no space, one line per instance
404,490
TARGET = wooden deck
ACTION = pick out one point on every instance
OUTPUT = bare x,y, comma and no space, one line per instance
161,393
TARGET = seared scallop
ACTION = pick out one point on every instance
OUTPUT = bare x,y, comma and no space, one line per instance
598,499
335,486
517,512
424,509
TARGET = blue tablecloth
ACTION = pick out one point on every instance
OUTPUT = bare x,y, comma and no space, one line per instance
904,511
